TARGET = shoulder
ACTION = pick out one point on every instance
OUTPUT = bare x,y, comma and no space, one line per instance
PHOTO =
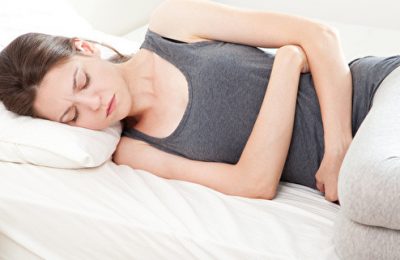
174,19
140,155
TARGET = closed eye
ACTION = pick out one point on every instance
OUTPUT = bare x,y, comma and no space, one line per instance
76,116
87,82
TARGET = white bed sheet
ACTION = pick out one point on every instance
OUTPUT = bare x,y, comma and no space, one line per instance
115,212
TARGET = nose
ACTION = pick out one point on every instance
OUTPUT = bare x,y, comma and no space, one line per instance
92,102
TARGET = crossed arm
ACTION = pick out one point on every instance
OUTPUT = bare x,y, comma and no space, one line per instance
198,20
202,19
264,155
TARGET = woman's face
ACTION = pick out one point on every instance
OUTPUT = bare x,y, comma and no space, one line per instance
78,92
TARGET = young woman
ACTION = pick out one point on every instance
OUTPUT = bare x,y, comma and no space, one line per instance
201,103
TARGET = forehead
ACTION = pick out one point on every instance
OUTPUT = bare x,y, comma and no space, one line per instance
53,92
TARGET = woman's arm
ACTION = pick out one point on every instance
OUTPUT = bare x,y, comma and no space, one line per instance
265,153
196,20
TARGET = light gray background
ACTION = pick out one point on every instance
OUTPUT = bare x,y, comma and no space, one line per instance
121,16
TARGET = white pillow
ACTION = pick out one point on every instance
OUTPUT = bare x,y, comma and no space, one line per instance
42,142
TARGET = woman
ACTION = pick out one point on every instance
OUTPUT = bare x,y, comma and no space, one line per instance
194,99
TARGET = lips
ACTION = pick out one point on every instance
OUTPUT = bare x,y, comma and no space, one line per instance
111,105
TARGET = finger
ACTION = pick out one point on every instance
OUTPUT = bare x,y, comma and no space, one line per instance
331,197
320,186
331,193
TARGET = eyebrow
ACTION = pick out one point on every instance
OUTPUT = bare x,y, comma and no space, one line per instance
73,90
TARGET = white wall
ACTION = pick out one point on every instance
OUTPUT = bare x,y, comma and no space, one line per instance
377,13
116,17
121,16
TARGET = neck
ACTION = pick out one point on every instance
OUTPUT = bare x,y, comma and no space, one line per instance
139,75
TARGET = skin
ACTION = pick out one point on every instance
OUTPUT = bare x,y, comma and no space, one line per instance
135,93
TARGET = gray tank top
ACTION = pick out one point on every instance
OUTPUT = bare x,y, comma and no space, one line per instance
227,84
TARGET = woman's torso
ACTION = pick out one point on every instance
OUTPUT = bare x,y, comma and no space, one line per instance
212,95
211,119
172,88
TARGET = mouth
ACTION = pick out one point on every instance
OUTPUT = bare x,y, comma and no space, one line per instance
111,105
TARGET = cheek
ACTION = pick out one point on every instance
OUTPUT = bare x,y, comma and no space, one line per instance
92,122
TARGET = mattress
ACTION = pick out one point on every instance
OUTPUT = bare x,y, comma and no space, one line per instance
116,212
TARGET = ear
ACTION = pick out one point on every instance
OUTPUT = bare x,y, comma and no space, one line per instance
86,48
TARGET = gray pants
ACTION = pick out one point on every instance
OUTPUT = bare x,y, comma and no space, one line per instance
368,226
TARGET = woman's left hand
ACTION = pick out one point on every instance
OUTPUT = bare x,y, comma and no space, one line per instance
327,176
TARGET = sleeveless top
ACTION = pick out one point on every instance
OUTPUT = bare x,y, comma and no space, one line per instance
226,85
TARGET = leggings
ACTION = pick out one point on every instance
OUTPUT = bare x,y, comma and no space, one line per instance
369,181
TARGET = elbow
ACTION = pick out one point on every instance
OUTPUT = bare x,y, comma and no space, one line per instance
255,184
263,191
324,31
330,35
267,194
322,37
328,32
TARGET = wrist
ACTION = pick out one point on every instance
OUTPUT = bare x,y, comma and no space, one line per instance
336,152
337,145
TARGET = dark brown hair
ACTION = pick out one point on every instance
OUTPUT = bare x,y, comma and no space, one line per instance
25,62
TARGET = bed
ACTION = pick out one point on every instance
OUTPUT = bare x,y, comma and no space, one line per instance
61,196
